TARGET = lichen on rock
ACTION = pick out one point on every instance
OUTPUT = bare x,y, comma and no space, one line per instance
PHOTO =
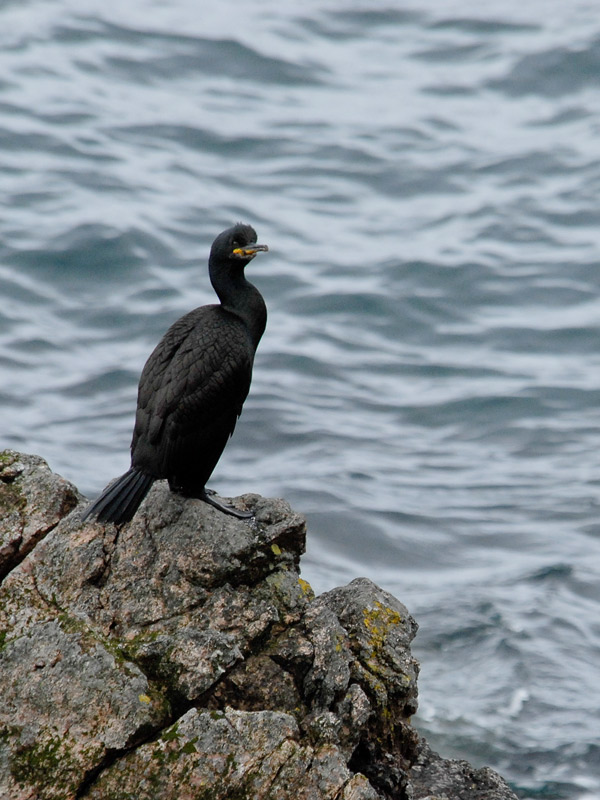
182,656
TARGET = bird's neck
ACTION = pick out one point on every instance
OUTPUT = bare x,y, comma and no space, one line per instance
241,298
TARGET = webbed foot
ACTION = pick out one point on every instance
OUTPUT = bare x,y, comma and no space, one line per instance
209,496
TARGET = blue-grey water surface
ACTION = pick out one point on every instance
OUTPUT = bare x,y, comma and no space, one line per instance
427,176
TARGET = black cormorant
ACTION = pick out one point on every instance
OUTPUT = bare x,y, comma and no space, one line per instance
193,387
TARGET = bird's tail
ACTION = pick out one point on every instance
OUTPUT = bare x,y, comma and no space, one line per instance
121,499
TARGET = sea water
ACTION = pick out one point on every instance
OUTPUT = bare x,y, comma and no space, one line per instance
427,392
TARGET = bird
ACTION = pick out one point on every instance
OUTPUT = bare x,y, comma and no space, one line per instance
193,387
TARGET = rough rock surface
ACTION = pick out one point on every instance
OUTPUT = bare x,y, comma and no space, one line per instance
33,500
182,656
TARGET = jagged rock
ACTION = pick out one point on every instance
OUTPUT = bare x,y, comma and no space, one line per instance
32,501
224,754
182,656
435,778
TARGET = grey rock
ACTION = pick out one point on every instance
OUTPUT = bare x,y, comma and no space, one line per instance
182,656
224,754
32,501
67,702
436,778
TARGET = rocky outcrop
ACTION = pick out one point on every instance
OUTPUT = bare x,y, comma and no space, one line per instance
182,656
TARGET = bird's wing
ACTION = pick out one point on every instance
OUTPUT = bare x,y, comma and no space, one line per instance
195,382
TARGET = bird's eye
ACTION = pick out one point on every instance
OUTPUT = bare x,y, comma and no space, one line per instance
235,243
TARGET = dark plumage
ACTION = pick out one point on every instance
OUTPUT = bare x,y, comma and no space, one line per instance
193,387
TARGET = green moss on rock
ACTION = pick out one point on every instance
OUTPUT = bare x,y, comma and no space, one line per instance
49,765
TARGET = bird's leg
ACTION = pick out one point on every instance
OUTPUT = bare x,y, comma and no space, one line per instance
209,497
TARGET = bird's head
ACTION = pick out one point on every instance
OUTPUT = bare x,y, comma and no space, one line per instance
237,245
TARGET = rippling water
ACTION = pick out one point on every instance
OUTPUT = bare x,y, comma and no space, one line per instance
428,390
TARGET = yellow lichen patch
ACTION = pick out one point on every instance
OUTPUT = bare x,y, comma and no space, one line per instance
143,698
375,687
306,587
378,621
276,549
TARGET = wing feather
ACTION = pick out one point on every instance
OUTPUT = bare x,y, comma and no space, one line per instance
192,390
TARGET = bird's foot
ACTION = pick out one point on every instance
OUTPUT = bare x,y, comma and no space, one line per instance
209,496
